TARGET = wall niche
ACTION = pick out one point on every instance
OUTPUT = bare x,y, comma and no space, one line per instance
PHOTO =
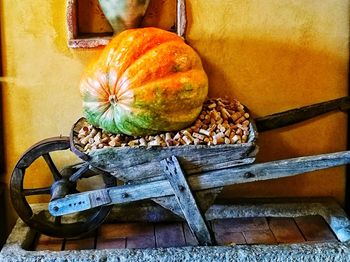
88,27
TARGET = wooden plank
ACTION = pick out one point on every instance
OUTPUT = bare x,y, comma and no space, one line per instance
237,225
192,157
190,239
115,243
285,230
314,228
297,115
204,198
169,235
268,170
259,237
188,205
129,235
211,179
48,243
230,238
153,169
146,241
80,244
123,230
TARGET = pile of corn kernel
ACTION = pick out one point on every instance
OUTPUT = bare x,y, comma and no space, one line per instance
221,121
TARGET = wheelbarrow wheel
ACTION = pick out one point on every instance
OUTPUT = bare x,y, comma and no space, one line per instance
40,219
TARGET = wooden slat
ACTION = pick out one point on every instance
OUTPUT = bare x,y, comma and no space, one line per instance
123,230
193,158
169,235
194,218
314,228
80,244
110,236
145,241
116,243
129,235
211,179
49,243
259,237
230,238
239,225
152,169
285,230
204,200
190,239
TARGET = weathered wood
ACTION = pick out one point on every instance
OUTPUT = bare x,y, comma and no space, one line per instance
314,228
120,230
143,162
169,235
259,237
42,221
114,243
80,244
187,203
48,243
229,238
300,114
285,230
153,170
221,226
204,199
193,157
189,237
212,179
268,170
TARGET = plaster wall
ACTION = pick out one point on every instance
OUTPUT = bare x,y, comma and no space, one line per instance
272,55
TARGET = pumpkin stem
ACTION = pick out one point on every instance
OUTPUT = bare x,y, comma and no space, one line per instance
113,100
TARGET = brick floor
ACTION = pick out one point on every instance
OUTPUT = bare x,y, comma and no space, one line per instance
233,231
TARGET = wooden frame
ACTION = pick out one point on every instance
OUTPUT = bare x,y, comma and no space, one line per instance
77,39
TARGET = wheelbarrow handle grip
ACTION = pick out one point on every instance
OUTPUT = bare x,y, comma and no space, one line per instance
300,114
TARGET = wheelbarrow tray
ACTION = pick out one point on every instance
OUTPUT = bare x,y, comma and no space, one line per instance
138,163
142,164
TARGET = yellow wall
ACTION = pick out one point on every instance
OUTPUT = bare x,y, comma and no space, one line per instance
272,55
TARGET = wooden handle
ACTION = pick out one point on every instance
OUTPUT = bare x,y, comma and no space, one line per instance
300,114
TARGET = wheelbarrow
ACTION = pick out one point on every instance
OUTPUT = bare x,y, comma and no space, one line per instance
183,179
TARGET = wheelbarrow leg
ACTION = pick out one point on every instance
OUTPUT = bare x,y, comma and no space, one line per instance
183,194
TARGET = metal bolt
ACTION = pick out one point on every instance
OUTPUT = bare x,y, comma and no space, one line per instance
181,188
56,208
248,175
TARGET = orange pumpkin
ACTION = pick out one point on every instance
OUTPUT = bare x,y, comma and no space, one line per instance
145,81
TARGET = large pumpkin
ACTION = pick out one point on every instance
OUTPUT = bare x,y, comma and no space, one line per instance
145,81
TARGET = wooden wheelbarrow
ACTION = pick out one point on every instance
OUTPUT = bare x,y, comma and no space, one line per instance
183,179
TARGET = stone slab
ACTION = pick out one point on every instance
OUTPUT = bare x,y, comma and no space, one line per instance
22,236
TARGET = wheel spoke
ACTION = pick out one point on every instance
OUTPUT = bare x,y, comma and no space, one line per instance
36,191
56,174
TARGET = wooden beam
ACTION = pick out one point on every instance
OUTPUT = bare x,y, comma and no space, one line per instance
186,200
212,179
